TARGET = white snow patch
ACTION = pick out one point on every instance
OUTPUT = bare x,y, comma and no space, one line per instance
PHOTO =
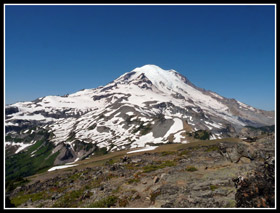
37,117
245,106
61,167
22,146
147,148
25,131
130,113
178,137
213,137
213,124
73,161
209,127
178,125
11,124
194,109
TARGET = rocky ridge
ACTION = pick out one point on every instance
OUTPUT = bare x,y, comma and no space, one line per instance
224,173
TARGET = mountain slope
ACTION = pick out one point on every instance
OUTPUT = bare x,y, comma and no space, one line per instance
147,106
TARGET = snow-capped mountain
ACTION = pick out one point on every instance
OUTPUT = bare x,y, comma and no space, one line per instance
145,106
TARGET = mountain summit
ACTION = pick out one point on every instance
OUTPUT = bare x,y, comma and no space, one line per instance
160,78
144,107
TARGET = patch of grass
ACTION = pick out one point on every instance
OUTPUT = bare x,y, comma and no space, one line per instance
130,166
22,198
231,204
212,148
70,199
133,180
110,176
109,162
191,169
117,189
150,168
165,153
95,183
105,202
57,189
75,176
213,187
184,152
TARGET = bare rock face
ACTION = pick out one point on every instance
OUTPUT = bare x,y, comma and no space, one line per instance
258,189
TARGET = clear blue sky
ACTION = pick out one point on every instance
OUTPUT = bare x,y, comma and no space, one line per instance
55,50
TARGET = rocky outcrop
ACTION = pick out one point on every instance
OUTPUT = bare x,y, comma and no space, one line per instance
257,190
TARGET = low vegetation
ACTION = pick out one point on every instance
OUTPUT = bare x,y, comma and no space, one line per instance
191,169
202,135
159,165
22,197
70,199
105,202
22,164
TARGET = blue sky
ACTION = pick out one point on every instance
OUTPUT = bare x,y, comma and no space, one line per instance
55,50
